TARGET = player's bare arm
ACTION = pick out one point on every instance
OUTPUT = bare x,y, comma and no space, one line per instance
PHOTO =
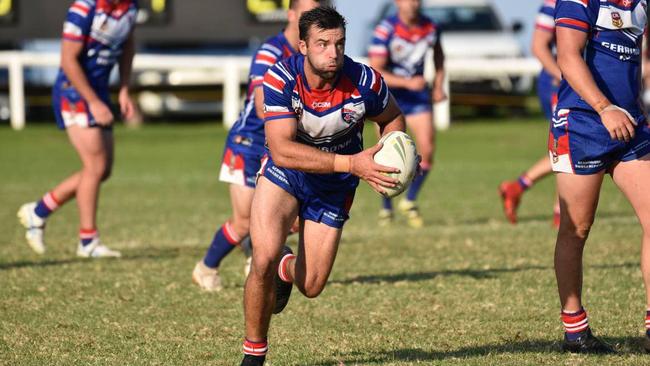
438,92
259,100
70,51
541,49
379,63
287,153
570,47
127,106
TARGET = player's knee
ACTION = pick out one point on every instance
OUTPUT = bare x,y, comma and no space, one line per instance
263,267
577,230
314,287
95,168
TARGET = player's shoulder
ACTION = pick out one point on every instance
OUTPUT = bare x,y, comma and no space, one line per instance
362,75
287,69
389,22
427,21
272,45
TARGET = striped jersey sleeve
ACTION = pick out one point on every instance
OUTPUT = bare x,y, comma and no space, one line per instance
374,90
576,14
277,93
79,20
545,20
380,39
265,57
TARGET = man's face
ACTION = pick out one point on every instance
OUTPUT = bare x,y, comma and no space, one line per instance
408,8
325,49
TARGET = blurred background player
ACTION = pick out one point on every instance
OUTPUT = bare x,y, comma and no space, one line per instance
315,106
96,36
398,51
599,127
543,47
245,148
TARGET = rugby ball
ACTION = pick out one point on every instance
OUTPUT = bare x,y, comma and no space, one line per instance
398,152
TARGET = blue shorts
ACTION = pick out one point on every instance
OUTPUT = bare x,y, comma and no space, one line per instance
330,207
240,163
413,102
547,94
70,109
580,144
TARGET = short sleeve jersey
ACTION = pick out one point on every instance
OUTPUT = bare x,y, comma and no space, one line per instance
404,46
613,52
545,19
331,119
103,27
249,124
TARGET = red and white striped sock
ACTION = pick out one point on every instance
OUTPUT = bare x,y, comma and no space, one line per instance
575,323
283,270
258,349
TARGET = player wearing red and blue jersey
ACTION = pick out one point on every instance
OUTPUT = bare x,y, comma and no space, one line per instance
543,47
244,150
599,127
315,106
398,49
97,34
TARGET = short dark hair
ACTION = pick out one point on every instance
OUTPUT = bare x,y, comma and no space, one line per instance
323,17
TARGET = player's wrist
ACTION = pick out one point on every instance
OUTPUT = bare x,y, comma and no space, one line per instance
602,106
342,163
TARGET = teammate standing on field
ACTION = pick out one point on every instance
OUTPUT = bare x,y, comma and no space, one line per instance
543,47
96,35
398,49
315,106
599,127
245,148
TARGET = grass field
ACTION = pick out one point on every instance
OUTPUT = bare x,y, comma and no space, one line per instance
469,289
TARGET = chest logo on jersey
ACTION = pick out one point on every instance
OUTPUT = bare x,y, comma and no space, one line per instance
616,20
326,104
352,113
296,104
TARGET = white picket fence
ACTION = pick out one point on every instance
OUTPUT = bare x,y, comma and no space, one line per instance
230,71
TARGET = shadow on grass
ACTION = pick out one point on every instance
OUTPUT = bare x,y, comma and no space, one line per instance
472,273
623,345
127,255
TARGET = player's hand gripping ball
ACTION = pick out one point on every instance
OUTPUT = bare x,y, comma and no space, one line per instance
398,151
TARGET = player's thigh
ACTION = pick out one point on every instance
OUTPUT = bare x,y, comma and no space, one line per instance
88,142
241,198
632,178
272,212
318,247
578,199
421,125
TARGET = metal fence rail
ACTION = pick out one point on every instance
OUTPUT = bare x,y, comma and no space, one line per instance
230,71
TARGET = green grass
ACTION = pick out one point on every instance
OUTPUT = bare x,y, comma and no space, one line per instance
469,289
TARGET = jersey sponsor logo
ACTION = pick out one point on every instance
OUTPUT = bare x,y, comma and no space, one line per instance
616,20
316,104
625,50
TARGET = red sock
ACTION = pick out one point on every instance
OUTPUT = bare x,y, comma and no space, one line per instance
575,324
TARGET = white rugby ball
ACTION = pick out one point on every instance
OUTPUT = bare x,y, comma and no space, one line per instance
398,152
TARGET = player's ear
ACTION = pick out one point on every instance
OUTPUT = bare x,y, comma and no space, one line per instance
302,46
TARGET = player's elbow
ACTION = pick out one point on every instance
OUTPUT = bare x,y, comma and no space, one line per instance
281,158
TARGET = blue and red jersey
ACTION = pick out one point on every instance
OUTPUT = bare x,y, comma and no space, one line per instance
613,52
545,19
249,125
404,46
103,27
328,119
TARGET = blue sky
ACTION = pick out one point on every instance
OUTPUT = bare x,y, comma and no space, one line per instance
361,15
